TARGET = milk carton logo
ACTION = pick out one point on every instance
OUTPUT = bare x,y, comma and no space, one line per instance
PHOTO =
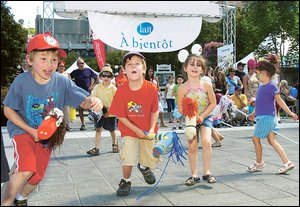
144,28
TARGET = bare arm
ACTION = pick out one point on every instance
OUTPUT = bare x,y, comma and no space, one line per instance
283,105
14,117
245,82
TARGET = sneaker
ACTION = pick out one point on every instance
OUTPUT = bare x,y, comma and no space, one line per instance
124,188
173,128
82,128
68,128
286,167
148,174
20,203
256,167
93,152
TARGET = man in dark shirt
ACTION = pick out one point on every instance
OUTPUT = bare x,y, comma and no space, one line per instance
85,78
240,72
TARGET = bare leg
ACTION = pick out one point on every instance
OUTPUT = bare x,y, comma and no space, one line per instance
126,171
258,149
161,117
273,142
15,184
113,137
98,137
81,115
193,156
207,150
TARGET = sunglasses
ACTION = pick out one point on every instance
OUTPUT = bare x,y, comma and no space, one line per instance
81,63
106,76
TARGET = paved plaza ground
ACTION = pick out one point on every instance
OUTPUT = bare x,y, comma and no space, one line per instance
74,178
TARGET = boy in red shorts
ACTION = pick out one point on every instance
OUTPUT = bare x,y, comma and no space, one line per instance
30,98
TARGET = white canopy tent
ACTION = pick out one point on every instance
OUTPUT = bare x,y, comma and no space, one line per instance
144,26
74,67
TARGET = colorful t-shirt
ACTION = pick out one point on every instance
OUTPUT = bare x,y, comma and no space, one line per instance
120,80
32,101
265,99
136,106
83,78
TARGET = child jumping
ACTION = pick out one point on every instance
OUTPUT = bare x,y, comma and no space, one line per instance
136,106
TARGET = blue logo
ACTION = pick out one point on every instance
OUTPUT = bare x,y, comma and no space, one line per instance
145,28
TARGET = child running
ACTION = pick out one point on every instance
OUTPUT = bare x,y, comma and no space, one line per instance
266,120
30,98
136,106
202,92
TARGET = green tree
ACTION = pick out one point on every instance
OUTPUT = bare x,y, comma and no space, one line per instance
13,40
278,20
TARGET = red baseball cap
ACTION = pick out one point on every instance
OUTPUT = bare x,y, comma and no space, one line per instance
45,42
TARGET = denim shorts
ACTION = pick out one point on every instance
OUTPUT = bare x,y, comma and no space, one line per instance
207,122
264,125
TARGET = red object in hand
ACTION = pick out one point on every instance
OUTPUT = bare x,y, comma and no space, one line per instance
189,107
47,128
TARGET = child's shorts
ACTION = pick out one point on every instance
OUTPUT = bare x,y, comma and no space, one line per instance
129,148
108,123
265,125
31,156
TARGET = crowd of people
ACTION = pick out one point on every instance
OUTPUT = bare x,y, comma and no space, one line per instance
131,101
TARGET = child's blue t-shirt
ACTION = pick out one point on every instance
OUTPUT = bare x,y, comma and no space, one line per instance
32,101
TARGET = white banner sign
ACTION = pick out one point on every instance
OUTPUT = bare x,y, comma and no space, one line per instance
144,34
225,56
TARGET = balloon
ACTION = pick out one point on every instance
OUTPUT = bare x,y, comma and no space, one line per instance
182,55
294,92
196,49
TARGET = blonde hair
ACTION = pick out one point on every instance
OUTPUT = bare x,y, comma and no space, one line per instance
34,52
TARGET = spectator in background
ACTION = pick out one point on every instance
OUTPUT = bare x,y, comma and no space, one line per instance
251,108
150,77
121,78
250,80
61,69
169,98
240,100
85,78
24,66
233,81
240,71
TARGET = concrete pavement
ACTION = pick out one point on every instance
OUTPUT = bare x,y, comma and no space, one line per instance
74,178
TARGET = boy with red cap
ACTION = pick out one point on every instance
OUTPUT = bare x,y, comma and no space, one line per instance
31,97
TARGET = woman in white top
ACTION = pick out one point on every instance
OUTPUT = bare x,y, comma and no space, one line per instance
169,97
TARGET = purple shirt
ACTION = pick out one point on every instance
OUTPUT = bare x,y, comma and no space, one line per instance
265,99
83,78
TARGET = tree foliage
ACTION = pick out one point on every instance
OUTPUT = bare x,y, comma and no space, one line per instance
13,40
278,20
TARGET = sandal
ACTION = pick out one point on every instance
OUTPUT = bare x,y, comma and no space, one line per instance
286,167
191,181
115,148
256,167
216,144
209,178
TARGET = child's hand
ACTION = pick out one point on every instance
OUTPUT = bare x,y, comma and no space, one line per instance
140,134
251,117
200,119
294,116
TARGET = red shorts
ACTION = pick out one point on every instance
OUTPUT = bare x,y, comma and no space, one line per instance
31,156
